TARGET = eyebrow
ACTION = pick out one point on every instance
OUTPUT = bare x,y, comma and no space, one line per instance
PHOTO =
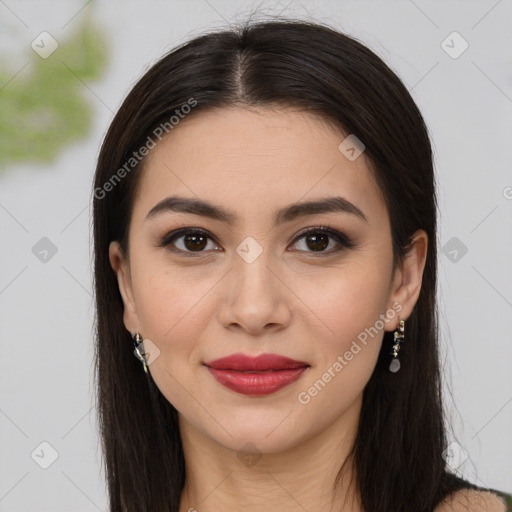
288,213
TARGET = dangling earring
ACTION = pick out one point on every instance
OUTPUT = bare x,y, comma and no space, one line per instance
139,349
399,337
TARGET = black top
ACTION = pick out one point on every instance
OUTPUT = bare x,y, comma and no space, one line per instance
456,483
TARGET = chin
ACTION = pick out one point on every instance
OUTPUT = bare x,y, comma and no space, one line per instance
254,431
254,442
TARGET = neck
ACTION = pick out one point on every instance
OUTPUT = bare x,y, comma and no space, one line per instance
299,479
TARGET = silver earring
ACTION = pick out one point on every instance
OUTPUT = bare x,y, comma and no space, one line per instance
139,350
398,337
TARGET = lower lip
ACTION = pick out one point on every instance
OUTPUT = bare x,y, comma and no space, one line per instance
257,383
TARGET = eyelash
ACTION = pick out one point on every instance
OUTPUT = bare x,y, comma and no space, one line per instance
342,240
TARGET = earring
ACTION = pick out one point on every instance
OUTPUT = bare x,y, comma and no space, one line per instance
398,337
139,349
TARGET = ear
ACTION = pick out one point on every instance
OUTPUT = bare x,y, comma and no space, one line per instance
121,267
408,278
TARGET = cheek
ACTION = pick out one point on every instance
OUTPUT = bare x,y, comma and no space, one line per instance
172,308
345,319
173,311
345,300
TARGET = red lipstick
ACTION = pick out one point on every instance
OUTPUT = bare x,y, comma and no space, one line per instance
261,375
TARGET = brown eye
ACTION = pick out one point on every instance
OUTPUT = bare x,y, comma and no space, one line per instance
188,241
195,242
317,240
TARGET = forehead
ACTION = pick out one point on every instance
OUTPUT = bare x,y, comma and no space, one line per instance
251,160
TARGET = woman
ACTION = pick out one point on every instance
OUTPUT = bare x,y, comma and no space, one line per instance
265,232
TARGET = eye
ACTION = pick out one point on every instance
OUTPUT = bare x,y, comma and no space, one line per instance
319,238
188,241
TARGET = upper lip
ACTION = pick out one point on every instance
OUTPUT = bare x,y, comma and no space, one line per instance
242,362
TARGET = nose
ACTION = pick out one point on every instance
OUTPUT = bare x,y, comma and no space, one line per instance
255,298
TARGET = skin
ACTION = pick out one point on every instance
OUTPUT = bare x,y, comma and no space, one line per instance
291,300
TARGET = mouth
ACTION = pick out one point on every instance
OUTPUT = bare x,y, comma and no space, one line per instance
261,375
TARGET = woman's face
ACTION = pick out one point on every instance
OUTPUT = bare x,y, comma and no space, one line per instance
251,282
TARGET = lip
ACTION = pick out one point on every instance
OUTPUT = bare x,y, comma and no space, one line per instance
245,363
261,375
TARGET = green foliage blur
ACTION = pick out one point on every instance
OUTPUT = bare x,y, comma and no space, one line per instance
48,107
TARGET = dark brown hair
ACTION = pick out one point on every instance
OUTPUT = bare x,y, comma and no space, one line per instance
401,437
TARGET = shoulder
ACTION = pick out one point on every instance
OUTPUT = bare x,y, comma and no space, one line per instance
469,500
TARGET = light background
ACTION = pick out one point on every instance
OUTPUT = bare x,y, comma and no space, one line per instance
46,309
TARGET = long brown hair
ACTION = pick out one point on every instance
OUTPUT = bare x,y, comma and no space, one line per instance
401,438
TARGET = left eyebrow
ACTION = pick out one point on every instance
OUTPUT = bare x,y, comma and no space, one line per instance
286,214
